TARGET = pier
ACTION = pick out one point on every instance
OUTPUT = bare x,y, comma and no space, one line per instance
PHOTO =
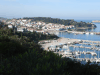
91,41
90,44
91,48
78,32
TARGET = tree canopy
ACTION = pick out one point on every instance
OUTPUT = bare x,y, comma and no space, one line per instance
20,55
60,21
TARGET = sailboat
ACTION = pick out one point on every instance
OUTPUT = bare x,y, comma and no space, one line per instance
68,52
87,32
65,47
98,60
93,54
92,31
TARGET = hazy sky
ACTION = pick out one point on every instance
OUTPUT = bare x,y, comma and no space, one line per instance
64,9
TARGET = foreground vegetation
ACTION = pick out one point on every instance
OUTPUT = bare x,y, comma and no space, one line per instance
21,55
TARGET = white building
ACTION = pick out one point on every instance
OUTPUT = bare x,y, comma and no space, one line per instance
28,25
30,29
20,29
10,26
24,20
23,27
40,31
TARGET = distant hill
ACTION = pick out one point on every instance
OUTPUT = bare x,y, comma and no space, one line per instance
1,18
50,20
61,21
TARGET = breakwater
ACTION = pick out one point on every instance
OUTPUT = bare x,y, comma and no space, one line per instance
78,32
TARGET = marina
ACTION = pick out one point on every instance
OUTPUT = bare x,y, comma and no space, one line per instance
79,46
74,51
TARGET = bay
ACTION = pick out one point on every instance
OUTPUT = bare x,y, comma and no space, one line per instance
83,37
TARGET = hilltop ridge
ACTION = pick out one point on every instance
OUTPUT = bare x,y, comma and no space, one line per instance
62,21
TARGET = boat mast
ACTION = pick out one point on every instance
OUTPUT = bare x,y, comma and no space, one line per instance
98,54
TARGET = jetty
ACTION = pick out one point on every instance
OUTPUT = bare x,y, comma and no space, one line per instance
79,32
91,48
91,41
90,44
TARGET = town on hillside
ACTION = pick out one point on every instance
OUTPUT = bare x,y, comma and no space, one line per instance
24,25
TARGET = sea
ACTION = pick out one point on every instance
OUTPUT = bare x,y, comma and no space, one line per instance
83,37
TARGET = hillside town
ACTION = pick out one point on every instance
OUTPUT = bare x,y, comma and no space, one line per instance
24,25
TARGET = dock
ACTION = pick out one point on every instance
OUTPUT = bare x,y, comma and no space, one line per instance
91,48
79,32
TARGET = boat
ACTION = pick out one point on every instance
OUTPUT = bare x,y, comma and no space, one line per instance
93,54
92,33
77,53
88,52
87,33
62,50
81,46
64,47
58,48
98,33
67,51
97,60
76,33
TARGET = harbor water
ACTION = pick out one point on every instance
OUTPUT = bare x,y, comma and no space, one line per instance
83,37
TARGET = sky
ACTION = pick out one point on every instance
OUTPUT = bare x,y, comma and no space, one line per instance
63,9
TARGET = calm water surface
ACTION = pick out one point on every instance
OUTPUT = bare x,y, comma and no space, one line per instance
82,36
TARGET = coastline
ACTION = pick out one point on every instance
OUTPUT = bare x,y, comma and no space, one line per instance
63,41
59,41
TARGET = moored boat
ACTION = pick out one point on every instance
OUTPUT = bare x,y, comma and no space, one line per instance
87,33
98,33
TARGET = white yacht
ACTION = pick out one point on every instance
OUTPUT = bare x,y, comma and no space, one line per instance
65,47
91,33
77,53
97,60
68,52
88,52
93,54
87,33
